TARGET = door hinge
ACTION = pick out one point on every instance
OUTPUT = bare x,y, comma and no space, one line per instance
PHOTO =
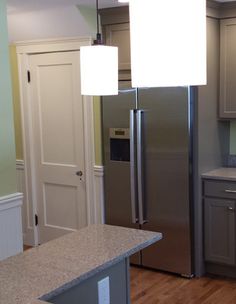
28,76
36,220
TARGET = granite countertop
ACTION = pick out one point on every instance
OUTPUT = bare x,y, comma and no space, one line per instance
63,263
221,174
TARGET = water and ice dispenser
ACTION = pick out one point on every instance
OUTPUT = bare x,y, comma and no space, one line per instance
119,144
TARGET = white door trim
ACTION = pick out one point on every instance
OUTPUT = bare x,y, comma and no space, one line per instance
99,194
24,50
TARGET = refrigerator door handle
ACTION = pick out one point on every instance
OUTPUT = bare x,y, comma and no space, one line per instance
133,177
140,173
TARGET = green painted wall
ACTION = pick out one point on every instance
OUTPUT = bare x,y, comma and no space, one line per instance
7,143
16,102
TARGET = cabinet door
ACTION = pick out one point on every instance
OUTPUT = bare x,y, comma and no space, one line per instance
228,68
219,231
119,35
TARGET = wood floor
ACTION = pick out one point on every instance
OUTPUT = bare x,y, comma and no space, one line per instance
25,247
151,287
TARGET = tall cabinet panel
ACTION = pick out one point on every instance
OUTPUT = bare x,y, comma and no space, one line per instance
116,32
219,231
228,68
119,35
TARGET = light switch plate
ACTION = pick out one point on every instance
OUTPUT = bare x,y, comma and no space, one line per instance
104,291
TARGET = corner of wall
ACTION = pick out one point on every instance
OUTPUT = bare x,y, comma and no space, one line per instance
7,143
16,101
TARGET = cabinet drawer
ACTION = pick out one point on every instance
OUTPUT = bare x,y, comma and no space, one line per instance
220,189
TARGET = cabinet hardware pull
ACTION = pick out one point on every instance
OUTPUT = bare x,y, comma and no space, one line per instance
230,191
231,208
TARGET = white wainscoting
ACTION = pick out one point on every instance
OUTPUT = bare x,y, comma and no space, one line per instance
99,194
11,240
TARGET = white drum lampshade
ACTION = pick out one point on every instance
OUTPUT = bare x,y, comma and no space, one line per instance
168,42
99,70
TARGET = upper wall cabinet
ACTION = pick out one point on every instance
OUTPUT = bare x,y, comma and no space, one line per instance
116,32
119,35
228,68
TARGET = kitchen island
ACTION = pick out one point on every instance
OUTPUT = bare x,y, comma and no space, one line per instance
72,268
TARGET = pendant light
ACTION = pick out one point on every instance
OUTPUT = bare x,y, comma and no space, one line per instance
99,67
168,42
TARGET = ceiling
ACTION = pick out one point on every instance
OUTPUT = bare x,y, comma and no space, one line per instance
28,5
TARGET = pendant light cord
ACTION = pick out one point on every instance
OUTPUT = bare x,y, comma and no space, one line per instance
99,36
97,17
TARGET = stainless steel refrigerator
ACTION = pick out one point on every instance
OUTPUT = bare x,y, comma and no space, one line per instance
147,140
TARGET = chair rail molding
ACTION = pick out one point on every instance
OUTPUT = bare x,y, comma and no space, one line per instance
20,164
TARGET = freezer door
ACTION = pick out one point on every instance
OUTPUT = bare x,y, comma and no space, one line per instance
118,137
116,115
167,177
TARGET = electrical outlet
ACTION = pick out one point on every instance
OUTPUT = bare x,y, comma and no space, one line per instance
104,291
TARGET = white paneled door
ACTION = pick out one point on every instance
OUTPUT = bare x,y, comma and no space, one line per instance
57,120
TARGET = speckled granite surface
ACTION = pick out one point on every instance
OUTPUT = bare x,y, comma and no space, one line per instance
61,264
221,174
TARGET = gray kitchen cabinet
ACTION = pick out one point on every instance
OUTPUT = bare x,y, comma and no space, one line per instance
119,35
219,230
116,32
219,199
227,107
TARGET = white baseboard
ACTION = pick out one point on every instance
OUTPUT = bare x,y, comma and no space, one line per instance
11,238
99,194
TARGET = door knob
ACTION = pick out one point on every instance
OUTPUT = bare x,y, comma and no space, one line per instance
79,173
